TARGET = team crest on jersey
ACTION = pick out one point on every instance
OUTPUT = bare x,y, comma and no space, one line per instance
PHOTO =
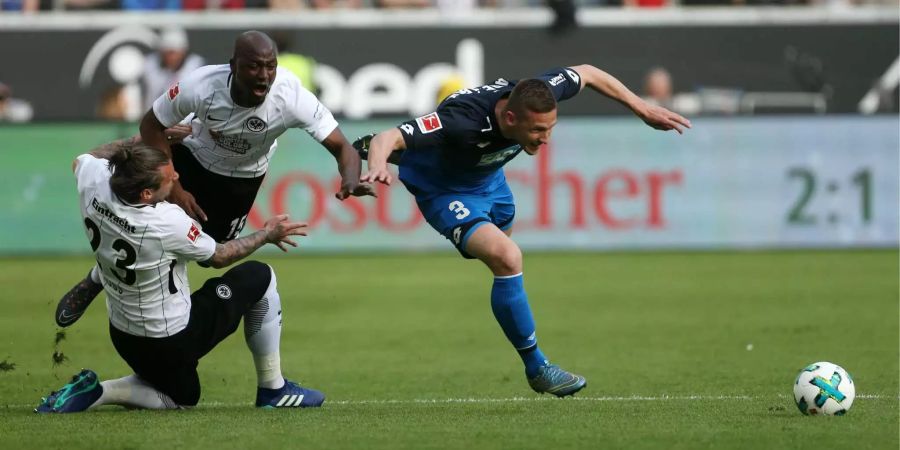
193,233
173,91
255,124
429,123
223,291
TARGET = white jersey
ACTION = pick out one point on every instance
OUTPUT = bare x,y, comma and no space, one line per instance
142,252
234,141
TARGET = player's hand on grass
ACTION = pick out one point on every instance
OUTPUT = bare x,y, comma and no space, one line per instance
177,132
358,190
377,175
663,119
186,201
279,230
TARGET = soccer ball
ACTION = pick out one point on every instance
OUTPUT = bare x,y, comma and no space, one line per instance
824,388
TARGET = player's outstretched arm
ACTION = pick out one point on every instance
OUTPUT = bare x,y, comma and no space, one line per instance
380,149
349,165
277,230
656,116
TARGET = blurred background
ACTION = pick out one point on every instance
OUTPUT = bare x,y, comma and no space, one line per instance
794,105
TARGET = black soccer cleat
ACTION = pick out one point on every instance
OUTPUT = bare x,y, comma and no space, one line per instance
75,302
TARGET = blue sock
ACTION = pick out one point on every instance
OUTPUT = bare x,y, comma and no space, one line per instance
510,305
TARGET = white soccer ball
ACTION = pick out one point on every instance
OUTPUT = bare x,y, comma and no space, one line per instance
824,388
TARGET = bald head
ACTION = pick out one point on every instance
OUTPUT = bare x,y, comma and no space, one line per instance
253,66
254,42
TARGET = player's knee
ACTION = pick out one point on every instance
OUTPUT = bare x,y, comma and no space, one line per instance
255,275
187,394
506,259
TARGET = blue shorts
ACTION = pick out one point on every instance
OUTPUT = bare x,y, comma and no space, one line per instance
457,216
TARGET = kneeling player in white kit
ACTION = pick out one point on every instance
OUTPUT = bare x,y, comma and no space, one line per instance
143,245
238,111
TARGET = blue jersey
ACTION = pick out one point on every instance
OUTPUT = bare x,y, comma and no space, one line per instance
459,148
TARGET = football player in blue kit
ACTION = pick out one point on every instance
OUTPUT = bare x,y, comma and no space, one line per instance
452,162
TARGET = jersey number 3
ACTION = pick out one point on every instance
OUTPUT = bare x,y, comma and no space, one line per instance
461,211
120,245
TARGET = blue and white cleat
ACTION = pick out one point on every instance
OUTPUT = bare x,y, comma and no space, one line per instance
291,395
556,381
76,396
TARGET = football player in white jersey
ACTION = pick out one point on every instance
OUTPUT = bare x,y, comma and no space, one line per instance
239,109
142,245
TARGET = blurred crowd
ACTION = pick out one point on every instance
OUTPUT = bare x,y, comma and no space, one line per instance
455,5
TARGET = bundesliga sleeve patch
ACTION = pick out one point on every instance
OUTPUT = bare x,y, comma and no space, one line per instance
173,91
429,123
193,233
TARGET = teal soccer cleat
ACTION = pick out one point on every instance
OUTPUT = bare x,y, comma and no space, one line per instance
76,396
552,379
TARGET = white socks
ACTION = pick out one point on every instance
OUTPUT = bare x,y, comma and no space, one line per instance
262,330
133,392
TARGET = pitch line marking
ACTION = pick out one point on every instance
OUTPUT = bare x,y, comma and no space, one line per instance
464,400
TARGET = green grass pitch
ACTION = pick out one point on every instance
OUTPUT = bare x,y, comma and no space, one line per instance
681,350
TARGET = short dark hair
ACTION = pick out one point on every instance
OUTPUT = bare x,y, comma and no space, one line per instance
531,95
135,169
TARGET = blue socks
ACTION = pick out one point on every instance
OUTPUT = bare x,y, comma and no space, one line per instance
510,305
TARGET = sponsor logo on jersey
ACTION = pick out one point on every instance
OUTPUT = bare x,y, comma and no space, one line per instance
408,129
193,233
498,156
429,123
223,291
173,91
236,144
255,124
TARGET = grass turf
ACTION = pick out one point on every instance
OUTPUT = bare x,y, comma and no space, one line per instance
681,350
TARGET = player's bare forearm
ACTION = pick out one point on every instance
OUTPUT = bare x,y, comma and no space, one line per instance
382,145
153,133
609,86
653,115
232,251
107,150
349,164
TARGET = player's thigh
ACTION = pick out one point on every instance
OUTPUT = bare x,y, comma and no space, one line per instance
456,216
503,209
225,200
219,305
